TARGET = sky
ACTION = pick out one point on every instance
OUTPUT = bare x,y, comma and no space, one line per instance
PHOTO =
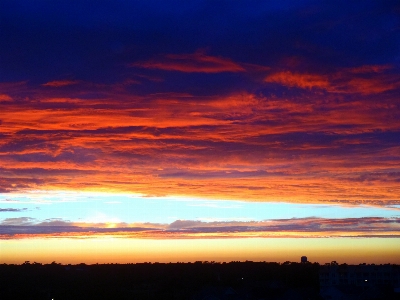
135,131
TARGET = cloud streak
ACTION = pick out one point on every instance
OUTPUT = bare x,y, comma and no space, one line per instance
60,83
197,62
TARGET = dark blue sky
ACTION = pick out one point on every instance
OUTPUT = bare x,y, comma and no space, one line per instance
95,40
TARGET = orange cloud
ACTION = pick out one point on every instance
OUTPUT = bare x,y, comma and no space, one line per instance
192,63
305,81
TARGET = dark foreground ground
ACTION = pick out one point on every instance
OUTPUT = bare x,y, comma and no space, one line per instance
191,281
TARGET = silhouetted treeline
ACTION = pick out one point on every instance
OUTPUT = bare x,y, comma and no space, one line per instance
234,280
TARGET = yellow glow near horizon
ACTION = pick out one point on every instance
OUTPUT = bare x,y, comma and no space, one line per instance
122,250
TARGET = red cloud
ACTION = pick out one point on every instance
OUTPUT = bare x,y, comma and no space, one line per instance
5,97
371,85
366,80
191,63
60,83
370,69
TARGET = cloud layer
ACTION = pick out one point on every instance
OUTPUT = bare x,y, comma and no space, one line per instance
16,228
321,147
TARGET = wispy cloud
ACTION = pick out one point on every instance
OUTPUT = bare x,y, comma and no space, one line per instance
13,209
21,221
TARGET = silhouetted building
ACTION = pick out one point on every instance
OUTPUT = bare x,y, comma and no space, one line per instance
303,259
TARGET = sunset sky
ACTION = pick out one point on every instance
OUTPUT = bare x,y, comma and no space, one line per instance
180,130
